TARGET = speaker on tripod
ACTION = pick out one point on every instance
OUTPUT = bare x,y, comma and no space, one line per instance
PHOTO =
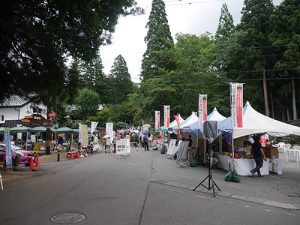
210,132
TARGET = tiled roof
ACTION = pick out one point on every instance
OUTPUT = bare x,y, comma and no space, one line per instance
14,101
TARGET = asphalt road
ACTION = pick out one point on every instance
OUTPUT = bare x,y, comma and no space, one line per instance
111,190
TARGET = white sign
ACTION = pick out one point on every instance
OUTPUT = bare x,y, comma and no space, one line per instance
171,148
93,126
121,147
127,145
110,131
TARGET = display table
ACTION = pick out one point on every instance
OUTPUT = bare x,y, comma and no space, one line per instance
242,166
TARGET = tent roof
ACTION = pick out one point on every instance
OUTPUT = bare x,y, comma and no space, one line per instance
193,118
215,116
255,122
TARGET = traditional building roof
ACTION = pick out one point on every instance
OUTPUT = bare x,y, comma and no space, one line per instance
14,101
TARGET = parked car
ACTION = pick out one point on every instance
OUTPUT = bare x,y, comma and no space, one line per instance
19,155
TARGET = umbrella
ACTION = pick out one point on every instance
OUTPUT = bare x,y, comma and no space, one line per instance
38,129
63,130
75,131
19,129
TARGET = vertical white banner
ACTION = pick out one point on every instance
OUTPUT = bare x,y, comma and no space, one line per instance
110,131
202,106
157,120
236,100
8,151
93,126
166,116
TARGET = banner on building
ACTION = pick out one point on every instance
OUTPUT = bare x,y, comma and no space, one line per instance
166,116
8,151
202,106
236,94
157,120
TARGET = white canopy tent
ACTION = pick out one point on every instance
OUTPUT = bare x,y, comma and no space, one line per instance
215,116
255,122
186,125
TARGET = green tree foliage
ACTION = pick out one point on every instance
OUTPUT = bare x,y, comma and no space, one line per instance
285,40
120,81
37,36
226,25
158,56
72,81
86,102
246,55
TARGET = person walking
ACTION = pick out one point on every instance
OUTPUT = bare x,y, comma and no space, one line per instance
258,156
145,141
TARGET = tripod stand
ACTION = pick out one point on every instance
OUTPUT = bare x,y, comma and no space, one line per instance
211,182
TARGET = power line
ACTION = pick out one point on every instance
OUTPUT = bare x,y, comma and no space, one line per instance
145,5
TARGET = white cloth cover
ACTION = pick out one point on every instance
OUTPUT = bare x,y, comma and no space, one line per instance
255,122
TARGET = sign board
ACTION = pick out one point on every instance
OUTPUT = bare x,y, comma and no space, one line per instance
127,145
121,147
83,135
8,148
110,131
171,148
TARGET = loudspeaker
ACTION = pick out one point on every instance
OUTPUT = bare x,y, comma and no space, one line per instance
210,129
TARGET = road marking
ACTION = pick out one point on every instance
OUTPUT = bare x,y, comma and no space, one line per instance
268,210
247,206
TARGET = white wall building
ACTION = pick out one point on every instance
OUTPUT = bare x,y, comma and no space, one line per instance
13,109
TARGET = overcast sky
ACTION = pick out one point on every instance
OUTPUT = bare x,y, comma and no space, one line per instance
184,16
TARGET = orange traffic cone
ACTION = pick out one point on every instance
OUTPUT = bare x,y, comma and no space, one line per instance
37,162
31,165
72,156
78,154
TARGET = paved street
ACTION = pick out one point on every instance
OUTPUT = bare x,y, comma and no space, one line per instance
147,188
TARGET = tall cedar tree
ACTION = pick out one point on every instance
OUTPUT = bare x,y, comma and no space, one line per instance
72,81
158,57
248,49
37,36
226,25
121,84
222,36
285,38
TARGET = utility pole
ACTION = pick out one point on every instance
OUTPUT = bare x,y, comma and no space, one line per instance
265,93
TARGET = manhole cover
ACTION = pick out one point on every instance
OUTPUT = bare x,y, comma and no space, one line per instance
68,217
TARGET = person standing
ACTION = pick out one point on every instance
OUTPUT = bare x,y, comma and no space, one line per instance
258,156
145,141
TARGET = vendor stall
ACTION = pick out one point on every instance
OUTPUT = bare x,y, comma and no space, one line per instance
254,123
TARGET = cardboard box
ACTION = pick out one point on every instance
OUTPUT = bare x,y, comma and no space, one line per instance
271,152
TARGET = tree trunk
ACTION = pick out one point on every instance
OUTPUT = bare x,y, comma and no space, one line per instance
294,100
272,105
288,114
265,93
